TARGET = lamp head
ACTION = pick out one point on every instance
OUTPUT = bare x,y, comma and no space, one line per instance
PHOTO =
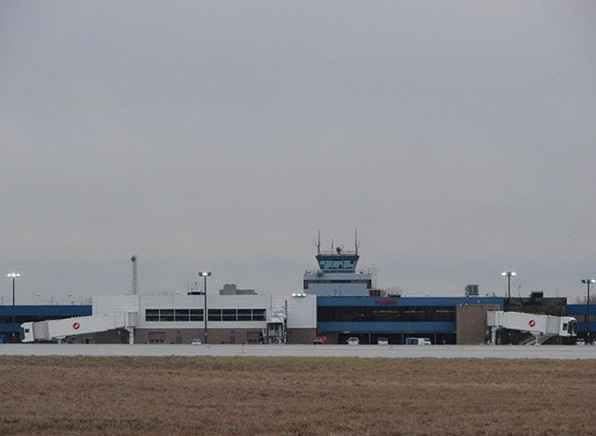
509,274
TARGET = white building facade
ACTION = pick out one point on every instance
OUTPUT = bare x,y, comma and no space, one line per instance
179,318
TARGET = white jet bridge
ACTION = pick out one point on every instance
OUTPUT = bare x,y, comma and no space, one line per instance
58,329
542,327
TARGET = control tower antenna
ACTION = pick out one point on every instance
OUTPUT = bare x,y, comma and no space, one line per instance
356,240
135,275
319,242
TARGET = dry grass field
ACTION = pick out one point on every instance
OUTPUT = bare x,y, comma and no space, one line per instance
289,396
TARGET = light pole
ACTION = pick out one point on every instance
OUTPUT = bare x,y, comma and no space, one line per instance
205,274
588,282
509,274
14,276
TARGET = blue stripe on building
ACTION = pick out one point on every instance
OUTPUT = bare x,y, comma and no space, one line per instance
62,311
7,327
579,311
11,317
405,301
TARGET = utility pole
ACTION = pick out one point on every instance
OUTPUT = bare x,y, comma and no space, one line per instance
588,282
205,274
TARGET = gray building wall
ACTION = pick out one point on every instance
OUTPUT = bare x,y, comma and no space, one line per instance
217,336
471,323
119,336
301,336
186,336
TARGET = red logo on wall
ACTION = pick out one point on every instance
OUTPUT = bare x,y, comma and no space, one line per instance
531,323
385,301
76,325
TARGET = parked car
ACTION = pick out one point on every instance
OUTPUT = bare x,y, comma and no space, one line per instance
196,342
580,342
418,341
319,340
382,341
353,340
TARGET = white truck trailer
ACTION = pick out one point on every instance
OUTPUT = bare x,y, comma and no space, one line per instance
60,328
542,327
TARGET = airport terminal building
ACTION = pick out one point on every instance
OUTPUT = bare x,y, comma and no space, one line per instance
337,302
252,319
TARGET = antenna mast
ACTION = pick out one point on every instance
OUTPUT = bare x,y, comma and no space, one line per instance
319,242
135,280
356,240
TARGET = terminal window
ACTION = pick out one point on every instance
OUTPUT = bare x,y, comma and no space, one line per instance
185,315
160,315
390,313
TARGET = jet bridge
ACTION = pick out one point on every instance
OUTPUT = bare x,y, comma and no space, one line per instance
542,327
60,328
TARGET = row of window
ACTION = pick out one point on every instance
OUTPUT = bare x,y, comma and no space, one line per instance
337,281
197,315
402,313
336,264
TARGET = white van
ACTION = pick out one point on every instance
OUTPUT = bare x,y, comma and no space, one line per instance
418,341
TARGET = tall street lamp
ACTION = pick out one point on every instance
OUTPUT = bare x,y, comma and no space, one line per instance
588,282
509,274
205,274
14,276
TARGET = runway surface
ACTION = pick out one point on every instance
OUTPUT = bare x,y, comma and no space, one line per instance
365,351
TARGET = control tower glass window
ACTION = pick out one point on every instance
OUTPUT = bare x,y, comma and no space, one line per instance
346,264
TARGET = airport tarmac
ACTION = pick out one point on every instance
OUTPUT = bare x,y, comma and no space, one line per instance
364,351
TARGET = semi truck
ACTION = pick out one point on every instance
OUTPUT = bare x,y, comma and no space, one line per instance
58,329
542,327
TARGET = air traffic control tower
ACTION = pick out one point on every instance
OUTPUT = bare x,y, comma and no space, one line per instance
337,275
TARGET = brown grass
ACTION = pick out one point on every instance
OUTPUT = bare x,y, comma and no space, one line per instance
288,396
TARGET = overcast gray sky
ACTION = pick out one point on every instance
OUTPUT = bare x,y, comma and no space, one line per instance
459,137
